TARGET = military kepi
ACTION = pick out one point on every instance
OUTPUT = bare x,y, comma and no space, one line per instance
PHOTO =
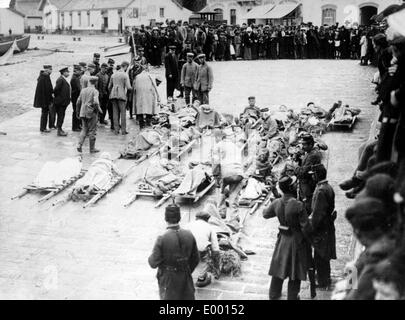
65,69
172,212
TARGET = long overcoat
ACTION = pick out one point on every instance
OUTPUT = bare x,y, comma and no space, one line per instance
175,254
322,221
43,93
290,257
145,95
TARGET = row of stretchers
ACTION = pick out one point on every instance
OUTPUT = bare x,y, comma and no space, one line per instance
166,178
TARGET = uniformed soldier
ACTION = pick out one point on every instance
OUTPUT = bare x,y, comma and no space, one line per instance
311,158
175,254
96,62
76,88
88,109
323,228
172,71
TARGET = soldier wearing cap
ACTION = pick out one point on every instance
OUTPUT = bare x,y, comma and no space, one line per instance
290,258
62,92
118,88
204,80
175,254
90,69
188,76
102,87
311,158
43,99
96,62
110,72
76,88
323,229
172,71
88,109
207,244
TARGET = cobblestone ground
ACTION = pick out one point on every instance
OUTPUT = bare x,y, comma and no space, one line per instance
66,252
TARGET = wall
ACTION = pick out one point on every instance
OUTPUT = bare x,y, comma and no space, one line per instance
50,17
143,11
33,22
346,10
9,19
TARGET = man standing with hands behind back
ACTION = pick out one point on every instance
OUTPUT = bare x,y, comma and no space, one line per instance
175,254
62,92
204,80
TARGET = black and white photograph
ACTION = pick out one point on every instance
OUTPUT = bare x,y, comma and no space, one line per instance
214,151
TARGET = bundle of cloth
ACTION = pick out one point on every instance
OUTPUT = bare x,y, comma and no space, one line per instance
162,176
196,179
178,140
98,177
54,174
143,141
343,114
207,118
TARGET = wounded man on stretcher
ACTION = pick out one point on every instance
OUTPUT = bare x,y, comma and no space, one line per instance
98,177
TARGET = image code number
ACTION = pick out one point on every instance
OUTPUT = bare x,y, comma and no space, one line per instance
224,310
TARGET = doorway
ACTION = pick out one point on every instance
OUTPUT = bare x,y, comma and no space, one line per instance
366,13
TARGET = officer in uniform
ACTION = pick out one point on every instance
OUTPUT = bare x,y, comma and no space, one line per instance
96,62
172,71
311,158
175,254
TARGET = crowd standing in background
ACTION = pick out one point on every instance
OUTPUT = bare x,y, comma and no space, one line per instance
306,208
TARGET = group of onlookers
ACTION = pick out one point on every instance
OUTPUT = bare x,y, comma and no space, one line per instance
224,42
378,183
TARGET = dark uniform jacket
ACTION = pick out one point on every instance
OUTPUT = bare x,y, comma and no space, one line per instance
76,87
62,92
290,257
322,221
175,254
172,67
307,184
43,93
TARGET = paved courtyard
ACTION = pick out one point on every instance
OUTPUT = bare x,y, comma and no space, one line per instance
66,252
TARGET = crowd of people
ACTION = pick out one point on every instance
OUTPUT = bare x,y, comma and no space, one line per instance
306,206
224,42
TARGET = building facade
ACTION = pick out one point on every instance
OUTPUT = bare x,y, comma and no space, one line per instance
105,16
292,12
33,17
11,19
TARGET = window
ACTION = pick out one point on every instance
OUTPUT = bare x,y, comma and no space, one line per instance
220,14
162,12
329,16
233,16
88,19
79,16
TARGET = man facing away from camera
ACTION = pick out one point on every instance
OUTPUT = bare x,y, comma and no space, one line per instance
175,254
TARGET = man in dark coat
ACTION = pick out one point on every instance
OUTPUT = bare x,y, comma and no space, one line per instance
172,71
43,98
311,158
290,257
323,228
62,92
102,87
76,88
96,62
175,254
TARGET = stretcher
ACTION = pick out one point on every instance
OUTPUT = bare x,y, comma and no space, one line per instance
343,125
51,191
98,195
199,195
147,190
187,149
254,204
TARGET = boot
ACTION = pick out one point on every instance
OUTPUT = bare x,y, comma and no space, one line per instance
350,184
203,281
61,133
93,146
353,193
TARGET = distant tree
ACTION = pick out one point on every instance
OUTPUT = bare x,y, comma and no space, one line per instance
12,4
194,5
